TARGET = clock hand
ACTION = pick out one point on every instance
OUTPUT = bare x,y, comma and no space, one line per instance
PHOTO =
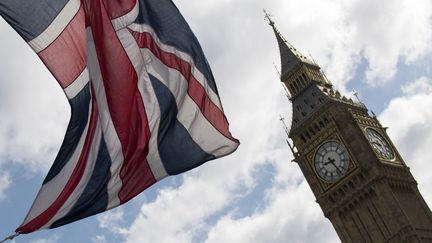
337,169
332,161
377,144
380,148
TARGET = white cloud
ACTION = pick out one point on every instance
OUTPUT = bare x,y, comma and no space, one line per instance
291,216
422,85
52,239
390,33
99,239
5,183
112,221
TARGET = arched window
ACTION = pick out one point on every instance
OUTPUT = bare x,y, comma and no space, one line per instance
298,83
292,88
303,138
296,86
312,131
303,81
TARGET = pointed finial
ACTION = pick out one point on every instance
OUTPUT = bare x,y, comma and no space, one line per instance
282,119
358,99
356,95
268,18
313,59
293,149
277,70
290,56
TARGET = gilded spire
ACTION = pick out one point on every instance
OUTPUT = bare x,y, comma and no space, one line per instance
290,56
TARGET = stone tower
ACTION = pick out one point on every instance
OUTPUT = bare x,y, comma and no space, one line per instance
359,179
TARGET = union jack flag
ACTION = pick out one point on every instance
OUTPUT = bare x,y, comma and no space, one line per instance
144,103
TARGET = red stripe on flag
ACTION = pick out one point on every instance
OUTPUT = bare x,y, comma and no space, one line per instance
118,8
195,90
73,181
66,57
124,101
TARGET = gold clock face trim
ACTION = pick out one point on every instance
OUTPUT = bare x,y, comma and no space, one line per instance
379,144
331,161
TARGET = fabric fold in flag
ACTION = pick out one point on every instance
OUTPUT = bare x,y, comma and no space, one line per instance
144,103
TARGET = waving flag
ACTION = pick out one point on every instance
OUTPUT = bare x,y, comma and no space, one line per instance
144,104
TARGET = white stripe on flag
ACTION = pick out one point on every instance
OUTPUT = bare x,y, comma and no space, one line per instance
111,137
125,20
141,28
149,99
56,27
189,114
50,191
78,84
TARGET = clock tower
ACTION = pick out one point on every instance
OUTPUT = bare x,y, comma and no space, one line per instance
359,179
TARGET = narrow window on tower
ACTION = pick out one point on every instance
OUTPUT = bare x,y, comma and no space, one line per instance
296,86
303,138
326,120
303,81
312,131
298,83
292,88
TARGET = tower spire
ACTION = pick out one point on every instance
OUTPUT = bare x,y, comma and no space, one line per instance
290,56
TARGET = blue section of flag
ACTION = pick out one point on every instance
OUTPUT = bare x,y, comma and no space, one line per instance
176,148
79,118
30,17
94,199
173,30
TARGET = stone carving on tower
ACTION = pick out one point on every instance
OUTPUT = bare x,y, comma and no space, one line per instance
359,179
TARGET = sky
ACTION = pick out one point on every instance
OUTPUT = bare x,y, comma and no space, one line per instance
382,51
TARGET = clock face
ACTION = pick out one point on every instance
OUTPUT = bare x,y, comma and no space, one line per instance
379,144
331,161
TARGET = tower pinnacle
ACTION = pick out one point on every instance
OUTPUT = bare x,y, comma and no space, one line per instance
290,56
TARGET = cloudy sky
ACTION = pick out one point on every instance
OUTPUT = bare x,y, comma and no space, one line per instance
384,52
